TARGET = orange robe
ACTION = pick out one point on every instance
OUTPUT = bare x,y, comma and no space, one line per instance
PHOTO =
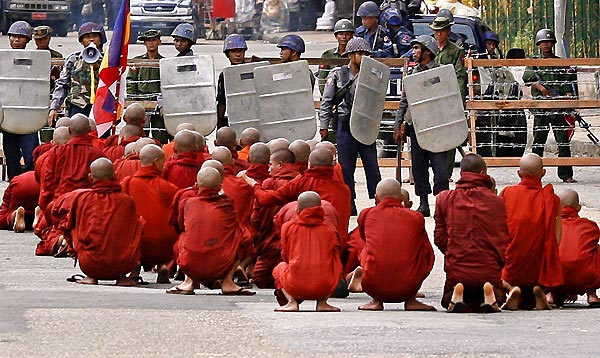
579,253
153,196
67,168
105,231
182,169
337,172
244,153
23,191
396,250
210,236
125,167
532,253
169,149
310,248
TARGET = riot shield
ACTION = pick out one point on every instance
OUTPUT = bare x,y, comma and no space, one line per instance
188,92
242,101
24,84
436,108
369,100
286,106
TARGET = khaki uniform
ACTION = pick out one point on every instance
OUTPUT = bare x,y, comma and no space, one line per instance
324,70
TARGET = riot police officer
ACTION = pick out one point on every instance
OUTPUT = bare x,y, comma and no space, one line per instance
291,47
375,34
343,30
339,88
75,81
184,36
234,47
424,51
491,46
17,146
547,83
398,44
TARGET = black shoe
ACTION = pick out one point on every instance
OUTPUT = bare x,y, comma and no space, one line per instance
424,209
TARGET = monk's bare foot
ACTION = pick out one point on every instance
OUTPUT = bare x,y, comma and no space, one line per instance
88,281
512,301
541,303
374,305
126,282
489,299
323,306
457,305
593,299
37,217
163,275
355,280
19,225
420,295
414,305
290,307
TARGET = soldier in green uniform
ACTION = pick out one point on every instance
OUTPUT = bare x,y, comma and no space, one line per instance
449,53
547,83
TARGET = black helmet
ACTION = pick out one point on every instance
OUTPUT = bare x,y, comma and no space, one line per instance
545,35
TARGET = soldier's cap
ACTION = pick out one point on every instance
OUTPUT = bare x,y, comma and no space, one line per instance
150,34
40,32
440,23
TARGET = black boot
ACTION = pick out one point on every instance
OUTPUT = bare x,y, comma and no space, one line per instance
424,206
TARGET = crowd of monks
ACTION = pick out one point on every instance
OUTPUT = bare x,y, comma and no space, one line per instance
275,215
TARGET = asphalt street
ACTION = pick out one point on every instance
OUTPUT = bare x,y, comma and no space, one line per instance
43,315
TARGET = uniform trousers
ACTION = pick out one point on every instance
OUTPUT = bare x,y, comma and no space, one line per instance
17,146
541,127
421,159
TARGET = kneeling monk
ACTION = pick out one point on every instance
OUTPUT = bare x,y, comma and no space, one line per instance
397,256
310,249
103,228
210,239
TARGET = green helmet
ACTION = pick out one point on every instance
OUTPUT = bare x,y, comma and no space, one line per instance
545,35
343,25
428,42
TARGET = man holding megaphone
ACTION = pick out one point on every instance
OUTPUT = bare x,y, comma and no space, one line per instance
79,77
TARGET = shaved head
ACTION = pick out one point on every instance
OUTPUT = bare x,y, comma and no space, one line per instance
214,164
223,155
473,163
80,124
312,143
278,143
249,136
283,155
130,131
102,169
569,197
320,158
135,114
93,125
226,137
64,122
151,153
308,199
129,149
184,126
389,188
327,145
531,165
301,150
141,143
259,153
209,178
200,141
185,141
61,135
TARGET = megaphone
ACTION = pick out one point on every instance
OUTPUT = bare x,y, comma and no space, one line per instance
90,54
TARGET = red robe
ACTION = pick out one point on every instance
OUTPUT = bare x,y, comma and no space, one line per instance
337,172
180,197
125,167
532,253
310,248
105,231
115,152
579,253
182,169
153,196
397,256
300,167
41,149
67,168
211,236
258,172
40,166
320,180
97,142
23,191
473,245
238,164
241,194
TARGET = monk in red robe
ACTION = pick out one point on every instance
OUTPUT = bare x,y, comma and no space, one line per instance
44,147
337,168
473,245
310,249
169,148
579,253
134,115
277,144
225,137
301,151
259,156
68,166
318,178
534,226
19,202
266,240
103,229
60,136
153,196
130,163
247,139
182,169
129,134
210,238
397,256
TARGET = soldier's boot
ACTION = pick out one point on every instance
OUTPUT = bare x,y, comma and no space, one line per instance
424,206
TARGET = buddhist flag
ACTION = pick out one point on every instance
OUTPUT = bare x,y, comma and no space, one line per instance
110,95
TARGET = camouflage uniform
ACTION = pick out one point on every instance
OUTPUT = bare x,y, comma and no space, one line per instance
324,69
559,81
143,83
